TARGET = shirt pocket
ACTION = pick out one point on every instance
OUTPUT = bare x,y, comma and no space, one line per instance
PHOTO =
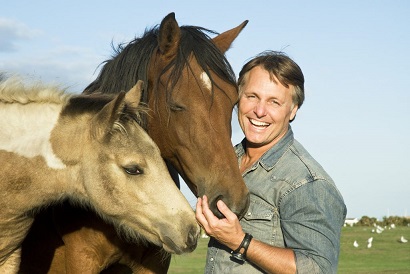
261,221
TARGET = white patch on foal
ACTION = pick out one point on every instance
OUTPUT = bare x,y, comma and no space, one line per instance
206,81
28,135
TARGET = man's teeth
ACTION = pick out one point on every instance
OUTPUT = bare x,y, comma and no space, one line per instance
258,123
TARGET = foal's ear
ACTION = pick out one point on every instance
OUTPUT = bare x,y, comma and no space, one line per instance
103,121
169,36
133,96
224,40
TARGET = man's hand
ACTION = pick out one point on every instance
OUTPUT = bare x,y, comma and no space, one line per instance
227,231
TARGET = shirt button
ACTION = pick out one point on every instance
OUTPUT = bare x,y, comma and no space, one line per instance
212,259
249,213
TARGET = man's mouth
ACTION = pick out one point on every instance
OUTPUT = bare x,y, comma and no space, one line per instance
258,123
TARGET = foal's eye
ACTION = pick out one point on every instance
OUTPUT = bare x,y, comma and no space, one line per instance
133,170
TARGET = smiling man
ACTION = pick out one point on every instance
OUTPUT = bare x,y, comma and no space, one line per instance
296,213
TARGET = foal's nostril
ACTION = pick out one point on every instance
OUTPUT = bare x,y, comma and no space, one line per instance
192,239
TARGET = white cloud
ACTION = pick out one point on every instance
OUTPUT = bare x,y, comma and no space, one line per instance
12,31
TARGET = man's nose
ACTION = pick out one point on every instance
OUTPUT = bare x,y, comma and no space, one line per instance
260,109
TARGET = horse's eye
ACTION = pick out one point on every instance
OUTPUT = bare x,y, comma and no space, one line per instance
175,106
133,170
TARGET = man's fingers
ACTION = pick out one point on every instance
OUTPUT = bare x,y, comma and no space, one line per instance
224,209
200,214
199,211
206,210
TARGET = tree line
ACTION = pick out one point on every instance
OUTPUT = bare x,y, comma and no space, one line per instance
386,221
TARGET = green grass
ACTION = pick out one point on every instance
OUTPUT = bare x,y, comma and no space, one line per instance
386,255
190,263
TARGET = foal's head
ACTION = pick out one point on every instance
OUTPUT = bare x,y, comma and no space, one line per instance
124,175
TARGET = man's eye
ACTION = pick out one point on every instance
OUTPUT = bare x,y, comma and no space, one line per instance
275,103
133,170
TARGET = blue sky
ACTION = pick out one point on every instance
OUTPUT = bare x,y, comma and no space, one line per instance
354,54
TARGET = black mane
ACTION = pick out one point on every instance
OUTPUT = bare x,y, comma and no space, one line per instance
81,104
130,61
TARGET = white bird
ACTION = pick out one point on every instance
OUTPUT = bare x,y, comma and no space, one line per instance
402,240
379,229
370,240
355,244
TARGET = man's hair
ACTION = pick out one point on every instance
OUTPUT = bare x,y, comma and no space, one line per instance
281,67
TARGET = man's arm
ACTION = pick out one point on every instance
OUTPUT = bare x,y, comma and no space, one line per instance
228,231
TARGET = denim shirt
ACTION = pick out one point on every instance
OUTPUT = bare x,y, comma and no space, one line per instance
294,204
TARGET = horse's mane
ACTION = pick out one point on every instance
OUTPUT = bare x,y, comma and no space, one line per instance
15,90
131,60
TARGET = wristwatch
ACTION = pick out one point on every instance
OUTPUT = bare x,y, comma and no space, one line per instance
244,244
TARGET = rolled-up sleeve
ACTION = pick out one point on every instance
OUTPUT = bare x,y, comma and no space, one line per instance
312,217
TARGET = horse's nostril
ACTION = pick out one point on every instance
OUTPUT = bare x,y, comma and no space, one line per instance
214,207
240,212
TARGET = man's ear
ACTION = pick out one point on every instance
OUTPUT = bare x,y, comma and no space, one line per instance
293,113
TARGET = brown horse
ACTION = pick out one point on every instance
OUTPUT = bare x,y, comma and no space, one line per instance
190,89
91,151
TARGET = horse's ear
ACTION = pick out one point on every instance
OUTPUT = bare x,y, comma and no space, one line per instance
133,96
224,40
103,121
169,36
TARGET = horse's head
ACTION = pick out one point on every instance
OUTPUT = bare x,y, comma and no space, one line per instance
126,178
192,92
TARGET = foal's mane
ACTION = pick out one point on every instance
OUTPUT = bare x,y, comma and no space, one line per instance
95,102
15,90
131,61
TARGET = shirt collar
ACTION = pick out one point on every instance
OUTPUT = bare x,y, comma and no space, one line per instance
272,156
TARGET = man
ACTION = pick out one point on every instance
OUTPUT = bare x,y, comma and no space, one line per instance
296,213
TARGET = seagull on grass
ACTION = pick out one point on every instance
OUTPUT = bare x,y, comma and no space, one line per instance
402,240
369,242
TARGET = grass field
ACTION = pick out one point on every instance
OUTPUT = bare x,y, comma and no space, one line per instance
386,255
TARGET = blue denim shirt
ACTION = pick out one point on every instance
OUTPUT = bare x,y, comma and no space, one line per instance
294,204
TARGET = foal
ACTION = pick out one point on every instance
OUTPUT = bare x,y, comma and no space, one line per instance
89,150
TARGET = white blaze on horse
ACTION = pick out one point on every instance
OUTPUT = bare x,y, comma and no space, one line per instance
90,150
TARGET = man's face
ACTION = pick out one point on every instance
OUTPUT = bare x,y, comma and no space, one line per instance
264,109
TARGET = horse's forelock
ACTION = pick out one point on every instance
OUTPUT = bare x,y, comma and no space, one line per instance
196,42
